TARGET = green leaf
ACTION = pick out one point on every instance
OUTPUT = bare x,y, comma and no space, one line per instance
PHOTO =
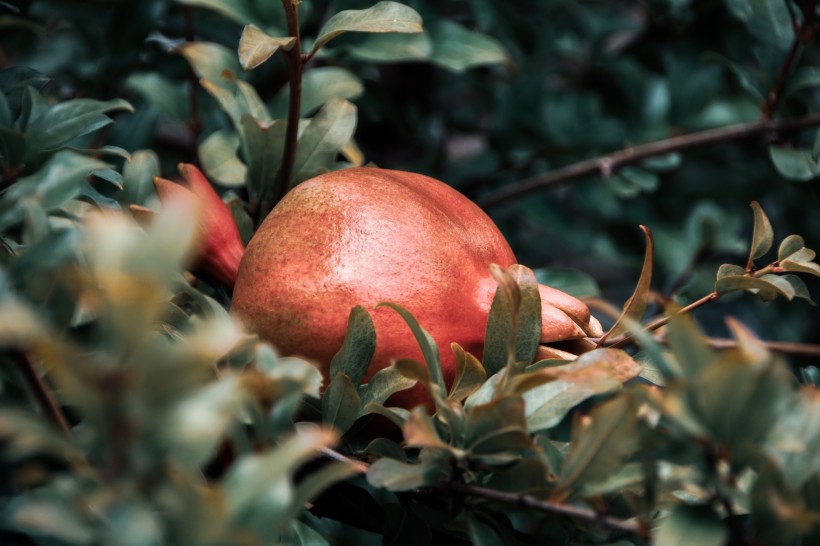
167,95
600,444
426,342
573,282
763,235
635,306
470,374
795,438
211,61
219,159
497,431
357,351
398,476
789,246
240,11
319,86
199,422
262,146
250,478
382,385
767,287
58,181
800,289
592,373
325,135
55,127
340,403
691,525
730,270
528,322
688,344
801,267
420,431
458,49
499,335
793,163
137,175
378,48
381,17
256,47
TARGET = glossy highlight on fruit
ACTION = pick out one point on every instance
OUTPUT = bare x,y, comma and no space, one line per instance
362,236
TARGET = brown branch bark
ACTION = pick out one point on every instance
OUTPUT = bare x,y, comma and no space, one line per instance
41,392
295,63
607,164
194,117
534,503
803,33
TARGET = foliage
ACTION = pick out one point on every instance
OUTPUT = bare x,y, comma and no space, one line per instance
134,410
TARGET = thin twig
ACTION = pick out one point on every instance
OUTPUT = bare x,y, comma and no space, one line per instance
802,35
607,164
787,347
41,393
294,56
528,501
194,117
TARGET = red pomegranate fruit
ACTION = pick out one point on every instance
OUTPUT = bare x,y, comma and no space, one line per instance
362,236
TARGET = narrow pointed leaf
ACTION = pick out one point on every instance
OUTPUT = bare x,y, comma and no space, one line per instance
320,142
340,403
426,342
470,374
354,357
635,306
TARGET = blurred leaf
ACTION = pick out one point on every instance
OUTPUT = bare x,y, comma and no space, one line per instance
688,344
794,163
239,11
160,91
256,47
392,47
357,351
210,61
459,49
319,86
252,476
470,374
573,282
398,476
319,144
57,182
49,519
381,17
340,403
795,439
219,159
600,444
691,525
635,306
799,286
427,344
481,533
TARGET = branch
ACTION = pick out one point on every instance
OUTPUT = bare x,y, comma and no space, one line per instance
528,501
41,393
802,35
607,164
194,118
295,62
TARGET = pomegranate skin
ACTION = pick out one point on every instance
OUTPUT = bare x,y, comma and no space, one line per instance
362,236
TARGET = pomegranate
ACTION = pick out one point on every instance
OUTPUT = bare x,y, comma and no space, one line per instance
362,236
220,246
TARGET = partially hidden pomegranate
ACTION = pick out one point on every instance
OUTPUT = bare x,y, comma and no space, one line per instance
219,246
362,236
